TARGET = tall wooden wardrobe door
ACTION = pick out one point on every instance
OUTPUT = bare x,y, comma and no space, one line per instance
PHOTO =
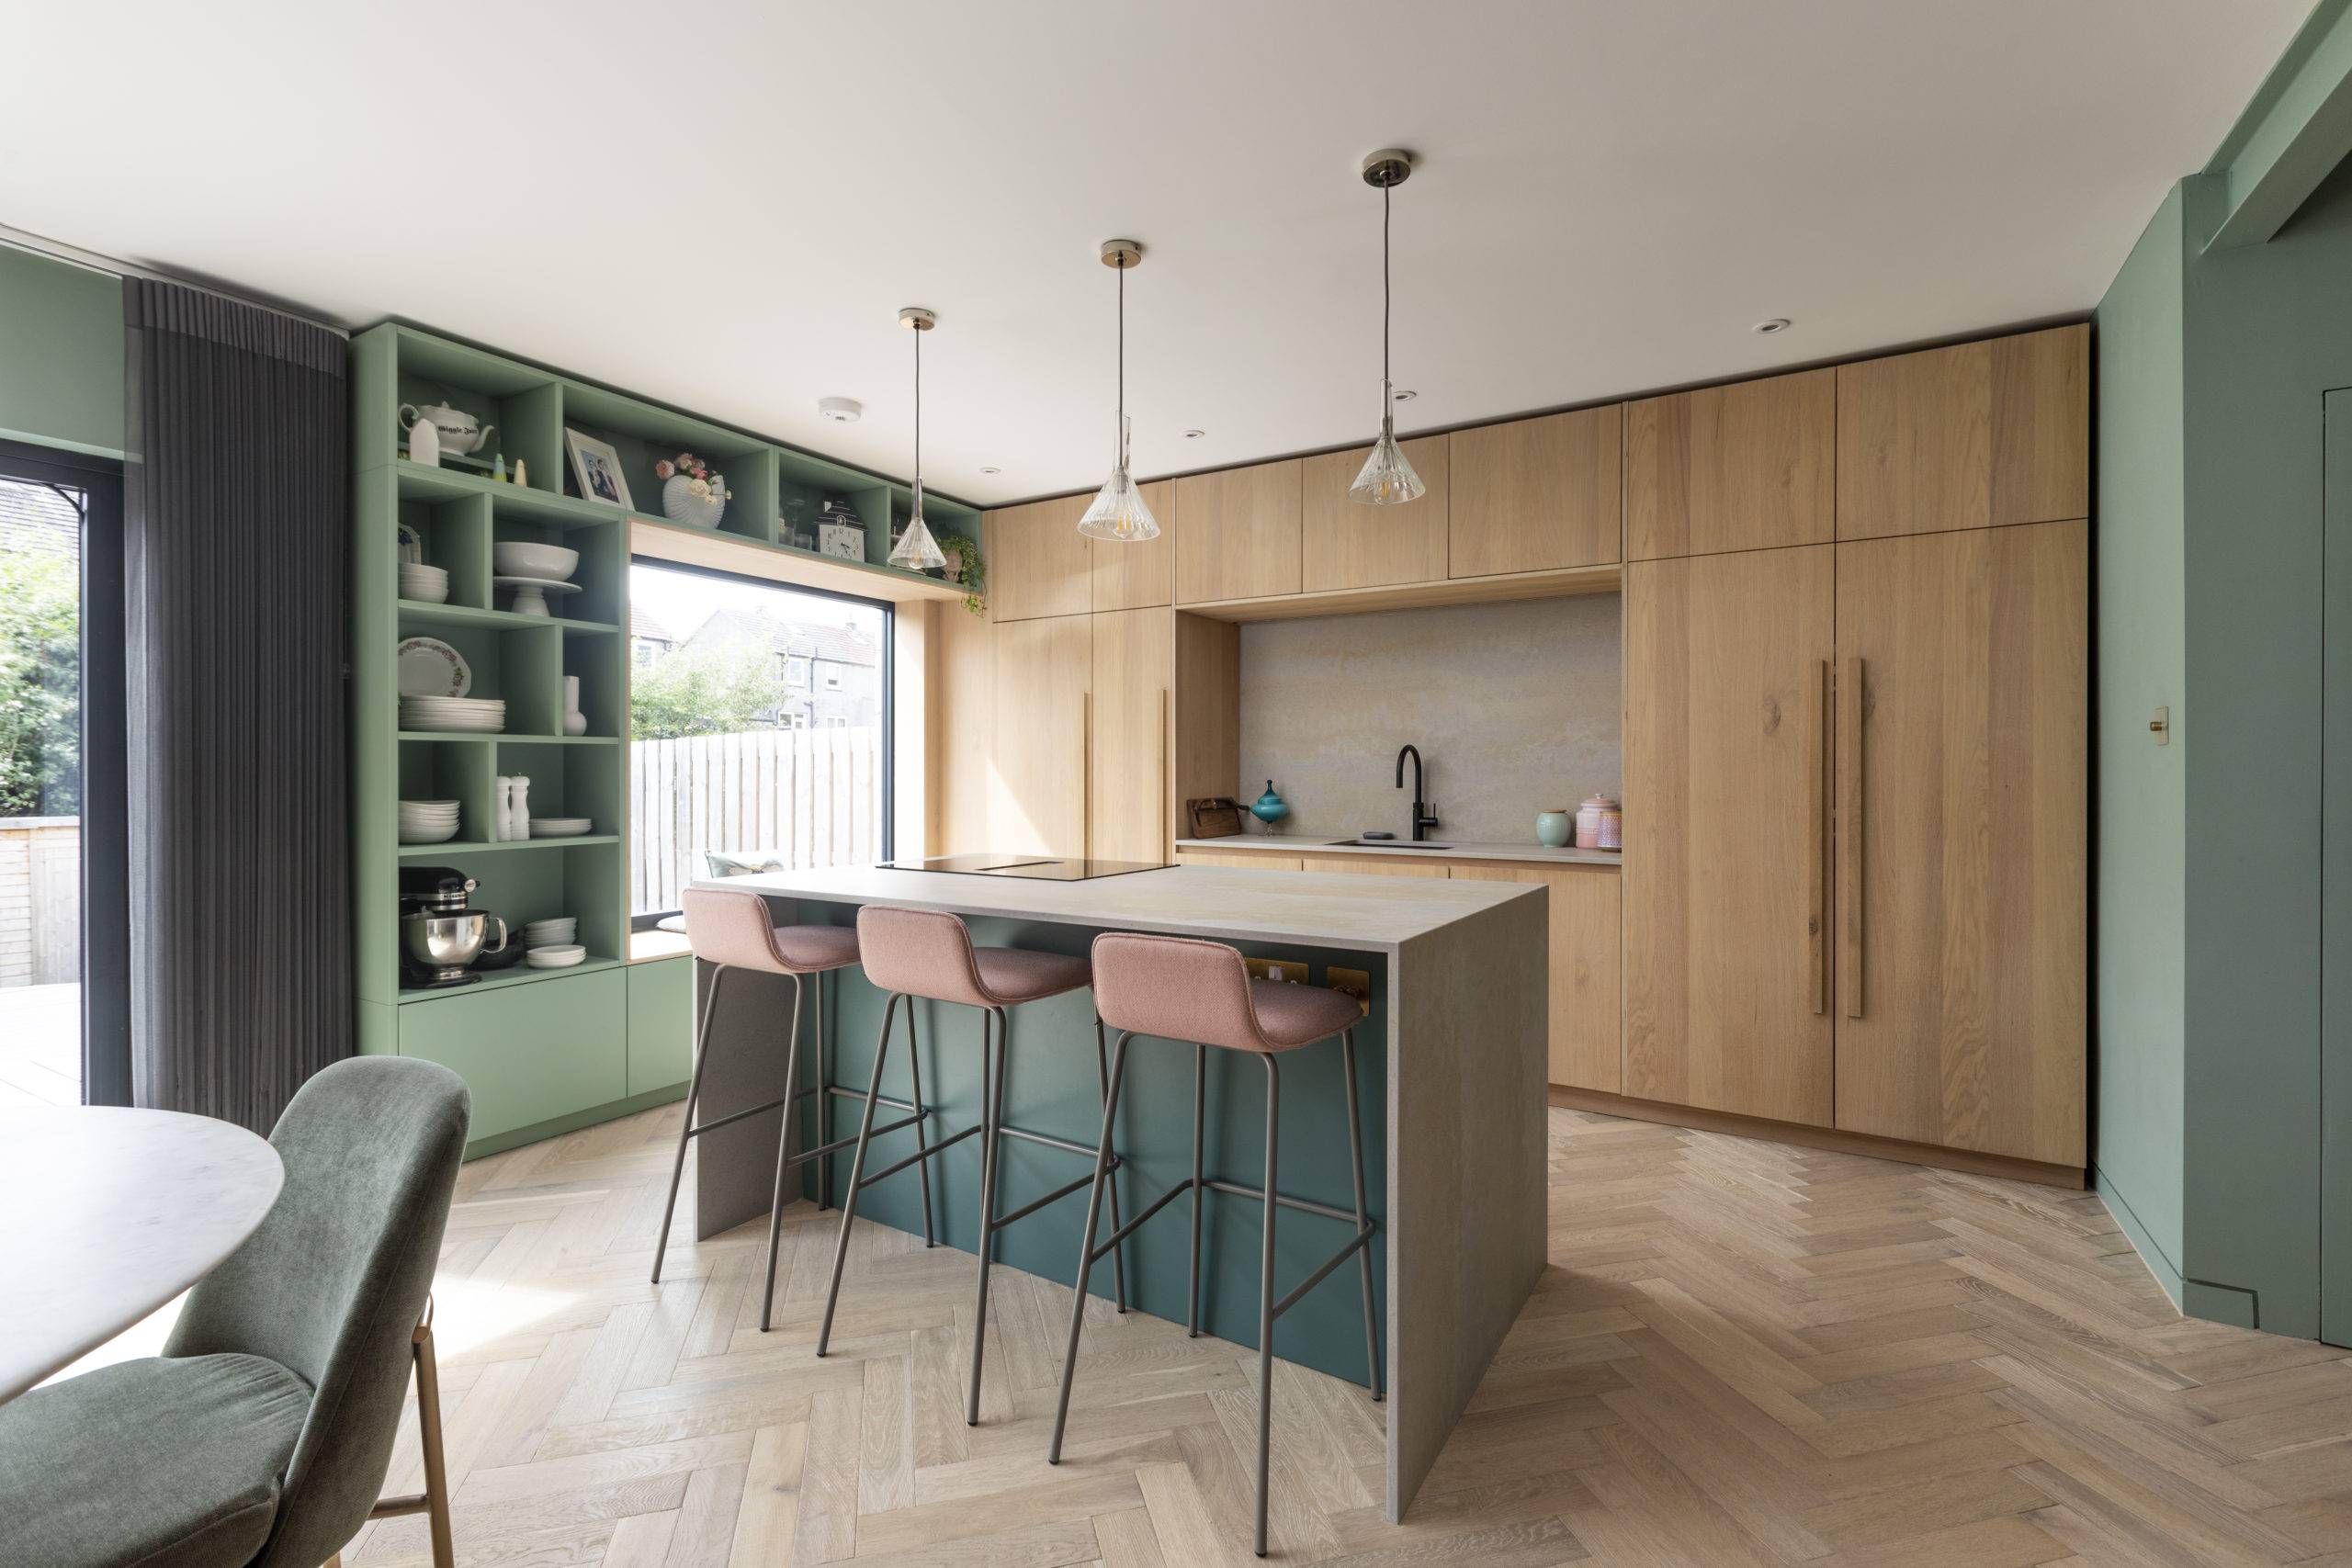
1961,694
1135,652
1044,679
1726,876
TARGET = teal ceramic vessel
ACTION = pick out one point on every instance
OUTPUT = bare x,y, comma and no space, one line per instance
1270,808
1554,829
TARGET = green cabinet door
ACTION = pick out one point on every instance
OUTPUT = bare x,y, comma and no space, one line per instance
528,1053
660,1024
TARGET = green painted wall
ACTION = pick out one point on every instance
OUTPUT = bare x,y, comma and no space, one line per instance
2269,331
2140,810
61,354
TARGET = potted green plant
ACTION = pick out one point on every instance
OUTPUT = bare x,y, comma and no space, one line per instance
966,569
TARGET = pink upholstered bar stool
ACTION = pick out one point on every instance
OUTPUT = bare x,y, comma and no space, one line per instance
731,929
929,954
1176,988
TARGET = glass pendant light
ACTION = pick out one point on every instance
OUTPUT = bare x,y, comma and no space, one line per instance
1388,477
916,549
1118,514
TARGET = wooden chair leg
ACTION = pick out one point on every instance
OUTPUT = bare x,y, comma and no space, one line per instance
433,1502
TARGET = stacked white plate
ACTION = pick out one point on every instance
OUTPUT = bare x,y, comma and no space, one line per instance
558,956
425,584
484,716
559,931
428,821
559,827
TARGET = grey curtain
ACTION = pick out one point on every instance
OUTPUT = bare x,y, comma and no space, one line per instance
236,521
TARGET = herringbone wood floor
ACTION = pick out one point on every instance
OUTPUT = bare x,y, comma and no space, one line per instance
1743,1354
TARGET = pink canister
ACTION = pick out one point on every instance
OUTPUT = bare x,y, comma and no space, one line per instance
1597,815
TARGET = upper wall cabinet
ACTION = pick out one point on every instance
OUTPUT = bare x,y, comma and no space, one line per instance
1137,576
1350,545
1739,467
1535,494
1977,435
1039,564
1241,533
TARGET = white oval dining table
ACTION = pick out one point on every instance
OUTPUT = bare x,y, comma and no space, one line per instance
108,1214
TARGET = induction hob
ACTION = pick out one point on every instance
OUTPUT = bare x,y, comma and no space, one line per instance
1033,868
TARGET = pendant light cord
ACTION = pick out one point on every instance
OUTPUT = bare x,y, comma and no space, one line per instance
1384,301
918,421
1123,362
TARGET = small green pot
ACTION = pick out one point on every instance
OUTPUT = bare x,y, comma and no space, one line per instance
1554,829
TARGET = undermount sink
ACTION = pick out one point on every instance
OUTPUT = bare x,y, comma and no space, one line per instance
1386,844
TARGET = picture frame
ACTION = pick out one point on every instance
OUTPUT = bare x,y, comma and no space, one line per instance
596,467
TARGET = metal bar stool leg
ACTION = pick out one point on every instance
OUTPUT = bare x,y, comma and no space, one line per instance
991,1149
922,1132
1118,1254
1266,1301
686,1128
824,1102
1363,1253
1086,1247
856,1173
1200,1125
782,1153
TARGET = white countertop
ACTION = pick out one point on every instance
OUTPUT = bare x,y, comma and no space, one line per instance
1456,849
1329,909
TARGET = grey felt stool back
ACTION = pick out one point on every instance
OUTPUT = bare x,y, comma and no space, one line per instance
333,1283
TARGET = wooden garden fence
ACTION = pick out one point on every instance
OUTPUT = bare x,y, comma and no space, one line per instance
41,900
804,797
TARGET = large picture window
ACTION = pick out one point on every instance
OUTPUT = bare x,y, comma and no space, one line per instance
759,729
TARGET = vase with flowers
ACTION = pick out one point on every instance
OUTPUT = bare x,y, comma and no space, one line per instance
691,491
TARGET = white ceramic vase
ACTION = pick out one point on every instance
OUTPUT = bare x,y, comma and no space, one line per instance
574,721
680,504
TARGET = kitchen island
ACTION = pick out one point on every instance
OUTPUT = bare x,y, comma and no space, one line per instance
1456,979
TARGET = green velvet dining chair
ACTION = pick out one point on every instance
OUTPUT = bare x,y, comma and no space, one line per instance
260,1437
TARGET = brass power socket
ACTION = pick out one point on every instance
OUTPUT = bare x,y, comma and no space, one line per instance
1289,971
1356,983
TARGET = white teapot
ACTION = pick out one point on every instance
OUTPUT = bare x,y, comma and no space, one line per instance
461,432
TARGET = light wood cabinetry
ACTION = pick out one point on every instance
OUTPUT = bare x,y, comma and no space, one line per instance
1366,865
1587,1018
1535,494
1246,862
1239,538
1350,545
1980,434
1039,755
1725,895
963,727
1039,564
1745,467
1127,804
1963,670
1136,576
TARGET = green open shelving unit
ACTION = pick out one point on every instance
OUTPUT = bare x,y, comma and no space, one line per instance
543,1050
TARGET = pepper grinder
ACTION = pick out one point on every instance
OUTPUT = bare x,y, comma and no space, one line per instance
503,807
518,811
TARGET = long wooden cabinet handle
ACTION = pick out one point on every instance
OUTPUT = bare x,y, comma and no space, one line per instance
1166,832
1849,836
1816,829
1086,774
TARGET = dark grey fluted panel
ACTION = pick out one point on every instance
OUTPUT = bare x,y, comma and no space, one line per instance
237,527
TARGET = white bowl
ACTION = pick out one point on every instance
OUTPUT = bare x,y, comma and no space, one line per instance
563,927
554,957
425,593
420,833
559,827
553,563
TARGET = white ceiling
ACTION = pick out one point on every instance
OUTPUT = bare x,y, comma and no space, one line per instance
723,204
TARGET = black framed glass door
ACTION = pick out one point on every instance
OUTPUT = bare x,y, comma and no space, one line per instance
64,932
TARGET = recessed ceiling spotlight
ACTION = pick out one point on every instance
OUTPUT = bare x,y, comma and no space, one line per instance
1776,325
841,411
1194,435
990,468
1405,394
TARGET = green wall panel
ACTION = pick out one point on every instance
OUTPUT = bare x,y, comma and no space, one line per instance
660,1024
61,354
528,1053
2140,806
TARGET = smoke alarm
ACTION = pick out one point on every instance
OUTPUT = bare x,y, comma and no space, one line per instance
841,411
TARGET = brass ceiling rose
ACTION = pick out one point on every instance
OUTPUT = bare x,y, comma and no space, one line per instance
1123,254
1387,168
